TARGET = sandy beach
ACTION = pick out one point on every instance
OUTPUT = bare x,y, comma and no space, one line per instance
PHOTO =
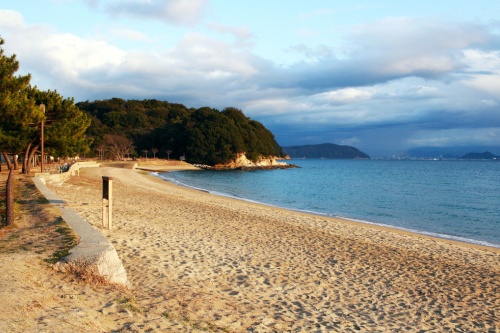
200,262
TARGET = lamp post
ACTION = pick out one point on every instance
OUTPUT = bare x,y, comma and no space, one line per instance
42,108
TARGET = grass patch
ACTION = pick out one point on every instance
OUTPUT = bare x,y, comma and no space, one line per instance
84,271
130,304
56,256
69,240
38,227
13,236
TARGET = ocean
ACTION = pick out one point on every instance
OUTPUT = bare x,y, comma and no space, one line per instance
451,199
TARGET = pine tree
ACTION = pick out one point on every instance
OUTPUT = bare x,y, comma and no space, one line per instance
65,128
20,123
17,111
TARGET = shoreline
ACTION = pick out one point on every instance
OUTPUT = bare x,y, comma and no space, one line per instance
194,258
444,237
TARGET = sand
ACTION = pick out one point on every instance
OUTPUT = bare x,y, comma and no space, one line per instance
200,262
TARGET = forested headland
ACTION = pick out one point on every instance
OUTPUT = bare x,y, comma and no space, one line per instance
152,128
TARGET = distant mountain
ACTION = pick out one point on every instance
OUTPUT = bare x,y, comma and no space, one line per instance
480,156
446,152
325,150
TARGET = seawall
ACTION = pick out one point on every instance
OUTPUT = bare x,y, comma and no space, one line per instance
93,247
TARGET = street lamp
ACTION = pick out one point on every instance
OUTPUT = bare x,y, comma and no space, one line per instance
42,108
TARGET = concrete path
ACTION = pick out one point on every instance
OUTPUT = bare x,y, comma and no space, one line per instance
94,247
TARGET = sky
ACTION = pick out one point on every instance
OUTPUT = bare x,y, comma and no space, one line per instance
383,76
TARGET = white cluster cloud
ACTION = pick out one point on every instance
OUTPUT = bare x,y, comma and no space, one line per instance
345,96
11,19
241,33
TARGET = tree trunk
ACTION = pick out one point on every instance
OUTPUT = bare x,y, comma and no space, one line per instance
26,160
9,197
28,156
7,160
16,161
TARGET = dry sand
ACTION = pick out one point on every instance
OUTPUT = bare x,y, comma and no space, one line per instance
199,262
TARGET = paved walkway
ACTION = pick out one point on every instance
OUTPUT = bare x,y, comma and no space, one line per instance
93,247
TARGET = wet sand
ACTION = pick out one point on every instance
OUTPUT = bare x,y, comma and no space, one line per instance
200,262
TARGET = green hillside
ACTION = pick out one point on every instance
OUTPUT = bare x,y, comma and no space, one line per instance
163,129
325,150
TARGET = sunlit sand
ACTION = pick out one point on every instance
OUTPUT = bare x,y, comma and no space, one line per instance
200,261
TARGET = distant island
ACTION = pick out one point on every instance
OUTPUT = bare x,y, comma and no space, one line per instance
450,152
325,150
481,156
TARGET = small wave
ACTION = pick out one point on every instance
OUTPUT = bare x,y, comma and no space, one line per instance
431,234
426,233
178,183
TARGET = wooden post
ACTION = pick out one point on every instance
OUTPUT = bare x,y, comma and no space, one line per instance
42,108
9,197
107,193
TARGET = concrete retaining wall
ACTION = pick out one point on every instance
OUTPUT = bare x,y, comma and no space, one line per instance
94,248
63,176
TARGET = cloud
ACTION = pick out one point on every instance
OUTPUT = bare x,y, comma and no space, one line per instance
415,38
388,49
241,33
488,103
326,12
318,52
92,3
489,83
350,141
394,83
203,55
456,137
11,19
179,12
345,96
197,65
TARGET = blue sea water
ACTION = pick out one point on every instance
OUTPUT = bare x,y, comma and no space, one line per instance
452,199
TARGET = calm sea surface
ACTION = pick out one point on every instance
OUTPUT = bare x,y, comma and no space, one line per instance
451,199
